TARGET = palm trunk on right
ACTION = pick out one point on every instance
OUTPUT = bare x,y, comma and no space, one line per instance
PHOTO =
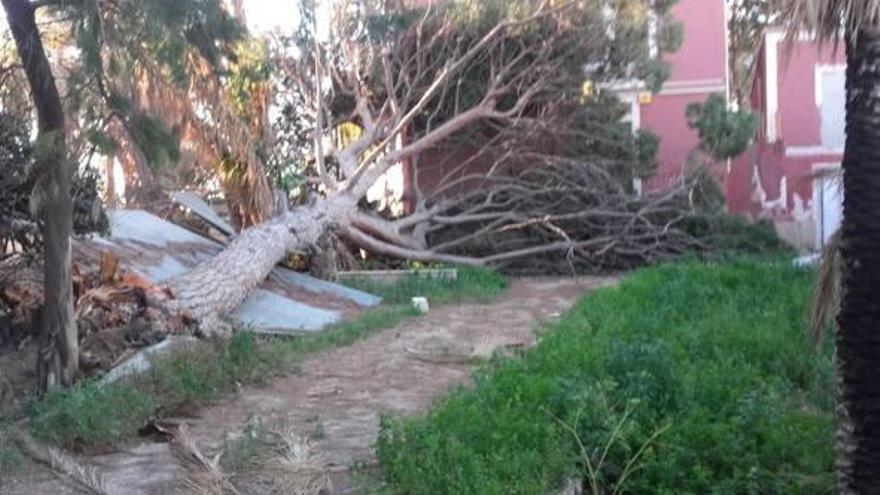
858,337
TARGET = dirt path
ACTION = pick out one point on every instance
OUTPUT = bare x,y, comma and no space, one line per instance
338,396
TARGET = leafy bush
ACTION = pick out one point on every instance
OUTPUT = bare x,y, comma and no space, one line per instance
724,133
686,379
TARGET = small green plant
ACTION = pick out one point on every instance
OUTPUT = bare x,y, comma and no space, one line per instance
599,469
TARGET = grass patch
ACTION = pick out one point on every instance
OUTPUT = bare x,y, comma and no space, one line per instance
472,284
10,456
90,414
685,379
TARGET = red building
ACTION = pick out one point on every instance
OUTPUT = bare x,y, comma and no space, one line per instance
787,176
697,70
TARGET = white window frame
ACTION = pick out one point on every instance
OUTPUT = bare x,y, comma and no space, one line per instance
818,221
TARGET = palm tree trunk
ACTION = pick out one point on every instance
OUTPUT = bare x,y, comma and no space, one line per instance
858,337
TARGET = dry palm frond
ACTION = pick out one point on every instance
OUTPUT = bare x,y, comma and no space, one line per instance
827,18
294,468
85,477
826,293
204,476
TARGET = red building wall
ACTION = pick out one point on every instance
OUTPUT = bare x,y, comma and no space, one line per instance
775,179
697,70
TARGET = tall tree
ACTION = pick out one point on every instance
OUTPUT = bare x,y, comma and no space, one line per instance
857,339
746,24
58,358
161,84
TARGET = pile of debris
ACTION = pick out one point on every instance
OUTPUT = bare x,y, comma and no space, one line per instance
116,311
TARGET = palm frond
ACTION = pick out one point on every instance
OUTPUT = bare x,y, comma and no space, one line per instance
826,293
828,19
204,475
86,478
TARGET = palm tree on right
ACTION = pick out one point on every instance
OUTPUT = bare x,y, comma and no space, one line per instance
856,24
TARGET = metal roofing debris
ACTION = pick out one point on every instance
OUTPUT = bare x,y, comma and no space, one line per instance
288,302
198,206
318,286
143,359
278,314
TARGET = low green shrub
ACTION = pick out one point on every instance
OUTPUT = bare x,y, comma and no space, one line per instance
685,379
10,457
88,412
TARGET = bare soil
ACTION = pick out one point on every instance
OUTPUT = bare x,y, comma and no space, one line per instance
337,397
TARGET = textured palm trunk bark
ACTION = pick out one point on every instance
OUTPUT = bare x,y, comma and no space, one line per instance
58,356
219,285
858,337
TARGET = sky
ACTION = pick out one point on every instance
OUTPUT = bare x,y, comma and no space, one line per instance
268,15
262,15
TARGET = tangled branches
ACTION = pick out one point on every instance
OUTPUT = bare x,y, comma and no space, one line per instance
565,216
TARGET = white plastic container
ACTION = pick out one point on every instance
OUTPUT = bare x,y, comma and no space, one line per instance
421,304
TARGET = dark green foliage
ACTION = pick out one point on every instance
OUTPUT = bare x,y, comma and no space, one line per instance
724,133
252,69
746,24
670,36
724,235
159,145
17,218
647,145
174,41
163,30
628,55
15,144
654,72
694,378
102,142
728,235
597,133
